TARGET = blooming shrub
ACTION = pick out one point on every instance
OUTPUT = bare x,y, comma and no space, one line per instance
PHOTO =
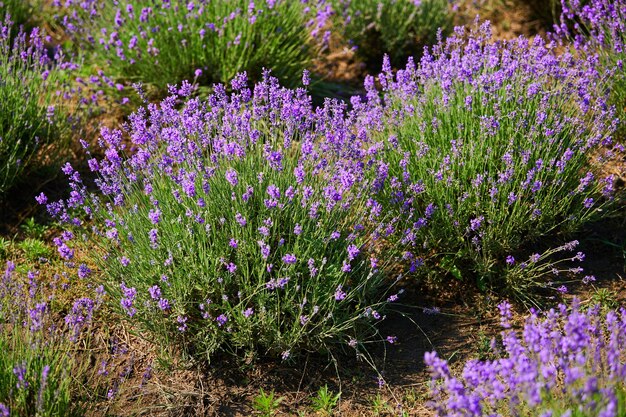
166,42
234,225
35,84
599,27
487,147
565,362
399,28
38,368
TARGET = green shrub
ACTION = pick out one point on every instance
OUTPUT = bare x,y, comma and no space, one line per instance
398,28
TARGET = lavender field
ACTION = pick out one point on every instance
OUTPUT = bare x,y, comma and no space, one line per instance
313,208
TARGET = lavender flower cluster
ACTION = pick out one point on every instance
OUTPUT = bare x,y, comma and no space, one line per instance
564,362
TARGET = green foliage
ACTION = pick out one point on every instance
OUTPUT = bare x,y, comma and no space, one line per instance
325,401
221,38
266,403
34,248
33,229
605,298
399,28
5,246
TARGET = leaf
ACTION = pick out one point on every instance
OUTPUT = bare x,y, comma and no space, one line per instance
448,265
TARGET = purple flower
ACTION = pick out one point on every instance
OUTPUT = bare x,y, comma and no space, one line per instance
164,304
353,251
20,372
231,177
221,320
339,293
154,215
476,223
155,292
41,199
128,297
83,271
289,259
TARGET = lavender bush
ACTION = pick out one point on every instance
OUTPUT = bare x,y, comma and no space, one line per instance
599,27
32,107
399,28
38,367
165,42
233,226
483,149
565,362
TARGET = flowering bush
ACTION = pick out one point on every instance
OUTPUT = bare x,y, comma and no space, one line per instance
487,147
169,41
234,225
35,84
565,362
599,27
399,28
38,367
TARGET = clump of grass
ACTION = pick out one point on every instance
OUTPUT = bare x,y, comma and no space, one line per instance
490,147
398,28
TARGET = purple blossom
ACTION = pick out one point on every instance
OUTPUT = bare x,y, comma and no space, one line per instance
289,259
221,320
339,293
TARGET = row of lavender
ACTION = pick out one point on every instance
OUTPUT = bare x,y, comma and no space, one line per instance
252,223
114,44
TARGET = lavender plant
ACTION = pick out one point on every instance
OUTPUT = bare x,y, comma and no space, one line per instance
165,42
32,106
599,27
483,149
398,28
565,362
37,367
234,224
